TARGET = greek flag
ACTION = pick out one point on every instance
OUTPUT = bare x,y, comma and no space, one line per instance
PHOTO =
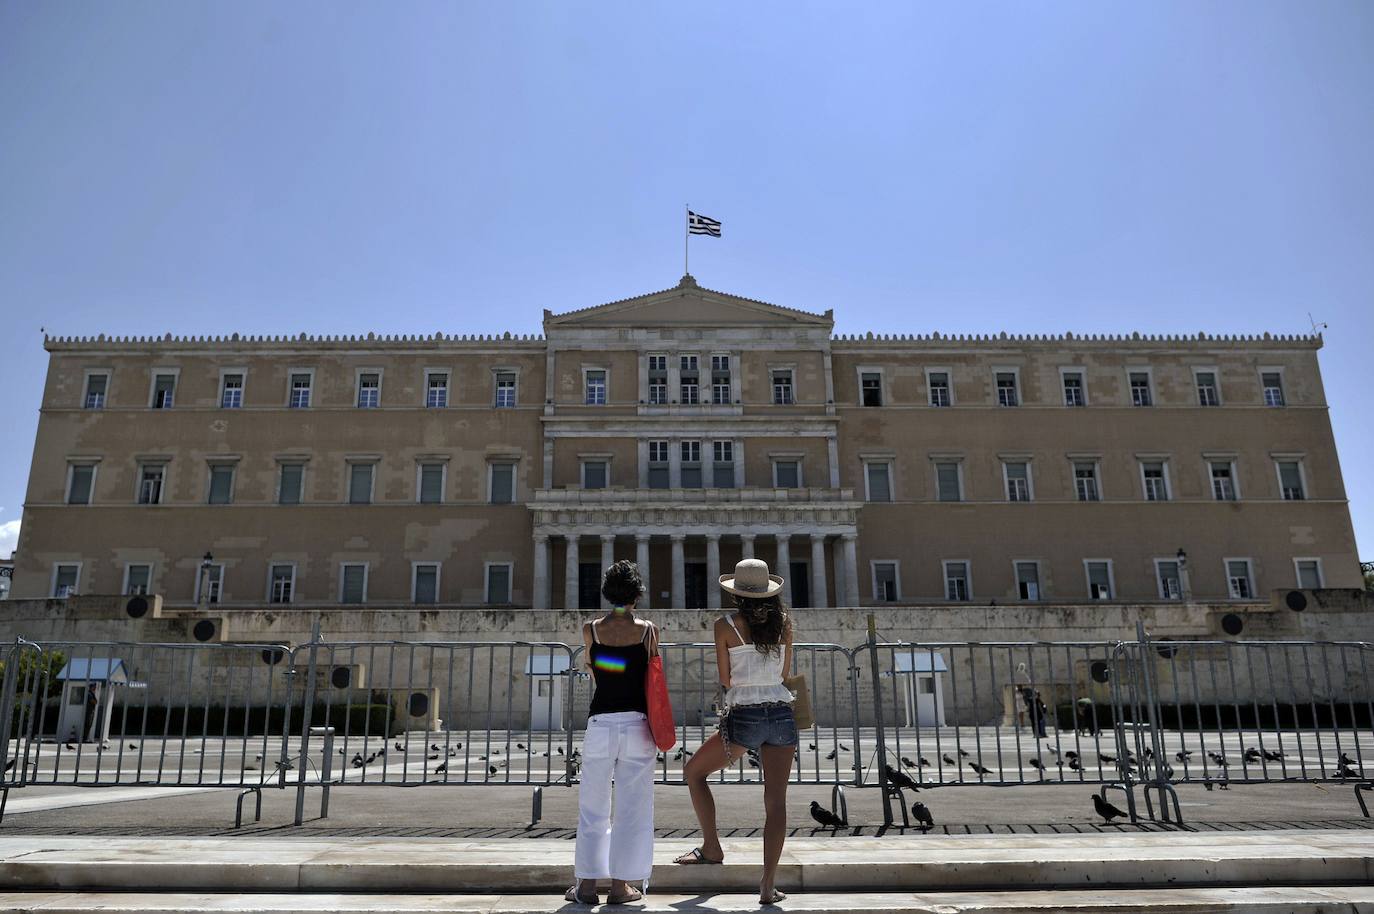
702,225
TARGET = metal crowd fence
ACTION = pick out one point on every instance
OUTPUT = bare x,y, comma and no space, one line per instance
1138,717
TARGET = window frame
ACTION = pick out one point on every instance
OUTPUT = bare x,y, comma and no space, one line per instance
72,464
959,478
1064,372
1096,462
1015,373
883,399
606,385
291,387
76,581
415,581
514,463
343,566
775,459
1159,577
510,583
729,371
699,464
649,381
1230,461
218,597
1263,370
281,464
271,579
1215,372
949,387
791,370
868,482
1250,577
143,465
583,460
213,464
224,375
153,375
1111,579
1297,571
86,375
896,579
1148,371
429,372
1006,462
128,566
682,384
1039,580
496,388
968,579
1300,460
1164,473
350,463
358,387
420,464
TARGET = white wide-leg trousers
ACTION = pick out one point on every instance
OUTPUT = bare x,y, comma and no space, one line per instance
618,748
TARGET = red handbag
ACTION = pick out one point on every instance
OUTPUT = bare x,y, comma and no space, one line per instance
660,705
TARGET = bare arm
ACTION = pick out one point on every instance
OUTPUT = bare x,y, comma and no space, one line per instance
587,647
723,653
652,640
787,651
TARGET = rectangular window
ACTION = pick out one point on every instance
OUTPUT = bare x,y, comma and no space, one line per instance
689,380
782,387
1006,388
1028,580
369,390
505,389
96,386
1273,388
1099,580
1207,392
431,483
291,484
1085,480
1156,482
221,483
164,389
957,582
939,389
502,483
1223,480
595,379
353,583
1074,392
282,584
878,478
723,464
436,389
947,485
231,391
212,579
1140,389
498,583
871,388
360,483
786,474
691,464
80,483
1239,583
300,390
150,481
425,588
658,379
885,582
1018,480
138,579
1309,573
1169,578
64,580
1290,480
658,465
594,474
720,380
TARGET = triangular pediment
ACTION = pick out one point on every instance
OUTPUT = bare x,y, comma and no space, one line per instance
687,305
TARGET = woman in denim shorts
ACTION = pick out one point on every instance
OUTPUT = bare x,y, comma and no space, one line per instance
753,653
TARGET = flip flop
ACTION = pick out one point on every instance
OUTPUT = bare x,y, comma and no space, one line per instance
635,895
773,898
695,857
572,896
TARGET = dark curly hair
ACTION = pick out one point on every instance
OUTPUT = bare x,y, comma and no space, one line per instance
622,584
768,621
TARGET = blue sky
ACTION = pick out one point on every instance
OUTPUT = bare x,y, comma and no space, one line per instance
1099,167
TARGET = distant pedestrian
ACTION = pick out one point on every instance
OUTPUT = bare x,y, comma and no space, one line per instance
92,706
1035,710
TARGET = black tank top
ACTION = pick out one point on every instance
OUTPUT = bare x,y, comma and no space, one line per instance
619,674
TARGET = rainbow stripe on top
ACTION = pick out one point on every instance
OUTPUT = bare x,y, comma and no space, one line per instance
610,664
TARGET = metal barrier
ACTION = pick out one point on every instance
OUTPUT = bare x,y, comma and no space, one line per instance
1137,717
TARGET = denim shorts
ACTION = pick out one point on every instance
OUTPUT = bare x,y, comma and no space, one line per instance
752,726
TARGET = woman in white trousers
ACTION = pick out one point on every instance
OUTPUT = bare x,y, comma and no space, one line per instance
618,752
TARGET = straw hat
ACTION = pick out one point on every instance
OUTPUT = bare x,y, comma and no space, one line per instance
751,579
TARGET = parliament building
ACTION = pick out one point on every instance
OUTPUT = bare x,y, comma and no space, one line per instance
683,429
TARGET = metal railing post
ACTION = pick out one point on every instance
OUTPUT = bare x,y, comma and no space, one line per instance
308,704
880,742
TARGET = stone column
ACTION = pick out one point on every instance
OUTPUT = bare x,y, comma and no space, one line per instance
747,545
784,565
679,571
712,571
570,574
607,559
642,560
851,569
839,575
818,597
540,597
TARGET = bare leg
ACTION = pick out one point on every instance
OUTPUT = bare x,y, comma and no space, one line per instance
777,768
709,759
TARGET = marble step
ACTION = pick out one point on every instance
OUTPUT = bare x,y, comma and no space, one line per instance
882,864
1249,900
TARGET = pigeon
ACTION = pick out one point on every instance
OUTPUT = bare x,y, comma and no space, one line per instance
1106,810
825,817
900,778
1036,764
811,747
921,813
947,760
441,768
753,762
1149,753
1074,766
560,749
1070,755
133,745
1273,756
688,752
908,762
434,747
1183,755
435,757
1107,758
1052,750
520,746
1347,760
1252,755
491,769
452,753
398,746
979,768
677,756
843,747
496,752
831,756
963,753
661,757
922,761
71,746
358,760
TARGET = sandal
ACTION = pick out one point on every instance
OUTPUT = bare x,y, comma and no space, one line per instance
572,896
635,895
773,898
695,857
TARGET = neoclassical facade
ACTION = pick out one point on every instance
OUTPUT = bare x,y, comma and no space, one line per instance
684,429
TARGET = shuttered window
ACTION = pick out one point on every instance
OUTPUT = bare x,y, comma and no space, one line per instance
360,483
879,481
502,483
292,479
947,478
354,586
426,583
498,583
221,484
431,483
83,477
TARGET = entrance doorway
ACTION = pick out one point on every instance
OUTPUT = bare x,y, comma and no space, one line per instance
589,585
799,576
694,580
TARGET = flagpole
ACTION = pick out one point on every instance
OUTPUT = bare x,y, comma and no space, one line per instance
686,222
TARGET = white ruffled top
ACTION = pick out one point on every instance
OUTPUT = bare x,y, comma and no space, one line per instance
755,678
